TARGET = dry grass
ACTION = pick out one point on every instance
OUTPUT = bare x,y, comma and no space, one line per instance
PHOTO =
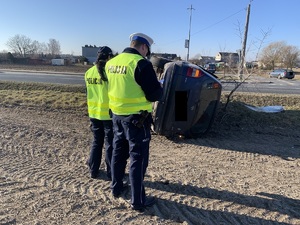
237,115
43,95
70,97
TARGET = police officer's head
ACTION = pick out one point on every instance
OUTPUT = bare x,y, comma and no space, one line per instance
104,53
142,43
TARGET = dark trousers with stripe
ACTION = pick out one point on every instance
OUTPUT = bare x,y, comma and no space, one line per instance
133,142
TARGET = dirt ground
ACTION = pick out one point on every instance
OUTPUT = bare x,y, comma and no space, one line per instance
235,176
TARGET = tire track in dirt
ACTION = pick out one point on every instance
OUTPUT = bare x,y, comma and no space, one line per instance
195,182
229,205
48,169
46,173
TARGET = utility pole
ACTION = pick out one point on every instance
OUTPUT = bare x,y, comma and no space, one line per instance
243,51
187,42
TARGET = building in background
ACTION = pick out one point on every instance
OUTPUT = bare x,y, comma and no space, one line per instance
90,53
230,59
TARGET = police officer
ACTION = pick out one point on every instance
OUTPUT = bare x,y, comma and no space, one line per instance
132,87
98,110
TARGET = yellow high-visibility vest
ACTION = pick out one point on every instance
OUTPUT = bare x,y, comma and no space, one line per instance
126,97
97,96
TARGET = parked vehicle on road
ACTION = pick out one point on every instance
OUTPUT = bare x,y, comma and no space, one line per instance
210,67
282,73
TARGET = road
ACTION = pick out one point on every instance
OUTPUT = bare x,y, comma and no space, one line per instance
42,77
261,84
276,86
254,84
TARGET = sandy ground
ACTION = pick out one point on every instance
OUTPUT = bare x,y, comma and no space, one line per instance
234,176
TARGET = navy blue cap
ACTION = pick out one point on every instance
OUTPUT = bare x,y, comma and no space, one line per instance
104,51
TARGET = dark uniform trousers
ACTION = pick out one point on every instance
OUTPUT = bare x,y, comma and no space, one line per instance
103,134
130,141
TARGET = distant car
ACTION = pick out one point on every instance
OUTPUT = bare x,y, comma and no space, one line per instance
210,67
282,73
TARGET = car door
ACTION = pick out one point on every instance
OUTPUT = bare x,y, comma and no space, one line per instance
275,73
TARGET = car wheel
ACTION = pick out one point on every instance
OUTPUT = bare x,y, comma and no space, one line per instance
159,62
279,77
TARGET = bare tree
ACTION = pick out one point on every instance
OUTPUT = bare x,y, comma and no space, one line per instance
54,47
280,54
21,45
35,46
272,54
43,49
238,84
290,56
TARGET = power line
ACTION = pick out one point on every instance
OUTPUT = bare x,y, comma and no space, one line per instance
219,21
191,8
180,39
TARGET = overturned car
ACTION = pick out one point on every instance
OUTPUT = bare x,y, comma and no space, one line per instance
190,99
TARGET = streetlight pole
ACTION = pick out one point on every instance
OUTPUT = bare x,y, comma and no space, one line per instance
189,40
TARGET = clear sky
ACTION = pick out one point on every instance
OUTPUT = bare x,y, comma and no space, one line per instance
215,24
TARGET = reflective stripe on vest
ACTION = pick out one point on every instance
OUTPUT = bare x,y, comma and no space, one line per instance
97,98
125,95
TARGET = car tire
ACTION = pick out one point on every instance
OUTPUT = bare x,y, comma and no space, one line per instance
159,62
